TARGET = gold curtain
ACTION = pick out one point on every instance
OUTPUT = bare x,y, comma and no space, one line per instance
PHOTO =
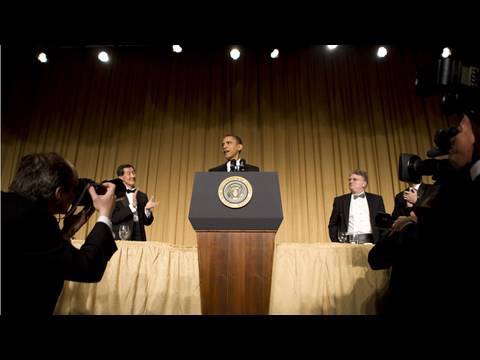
311,116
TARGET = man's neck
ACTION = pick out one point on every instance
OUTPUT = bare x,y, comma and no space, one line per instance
129,187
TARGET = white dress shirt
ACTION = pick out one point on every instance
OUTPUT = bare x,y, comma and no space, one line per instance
359,216
133,207
475,170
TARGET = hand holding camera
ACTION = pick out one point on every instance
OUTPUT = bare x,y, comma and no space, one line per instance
104,203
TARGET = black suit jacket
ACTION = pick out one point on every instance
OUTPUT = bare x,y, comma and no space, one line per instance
400,208
223,167
123,215
38,259
341,211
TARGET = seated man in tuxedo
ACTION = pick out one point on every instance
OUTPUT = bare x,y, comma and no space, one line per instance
232,146
38,254
354,213
134,210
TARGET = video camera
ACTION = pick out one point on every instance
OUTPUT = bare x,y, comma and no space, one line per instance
459,86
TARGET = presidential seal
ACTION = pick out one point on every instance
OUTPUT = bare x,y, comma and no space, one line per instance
235,192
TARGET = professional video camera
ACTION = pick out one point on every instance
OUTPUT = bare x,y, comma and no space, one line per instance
459,87
82,197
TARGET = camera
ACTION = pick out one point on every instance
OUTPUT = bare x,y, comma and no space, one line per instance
82,198
459,85
383,220
411,168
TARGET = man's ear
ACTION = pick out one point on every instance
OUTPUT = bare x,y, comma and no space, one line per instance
240,147
58,194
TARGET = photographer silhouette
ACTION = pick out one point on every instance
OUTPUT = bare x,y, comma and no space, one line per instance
39,256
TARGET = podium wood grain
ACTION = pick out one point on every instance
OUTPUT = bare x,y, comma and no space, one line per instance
235,271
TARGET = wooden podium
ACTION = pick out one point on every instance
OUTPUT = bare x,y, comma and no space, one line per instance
235,245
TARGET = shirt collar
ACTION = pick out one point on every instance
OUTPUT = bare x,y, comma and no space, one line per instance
475,170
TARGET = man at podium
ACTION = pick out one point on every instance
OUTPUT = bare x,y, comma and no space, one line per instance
232,146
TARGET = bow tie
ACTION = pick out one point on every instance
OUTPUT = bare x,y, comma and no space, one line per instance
362,195
131,191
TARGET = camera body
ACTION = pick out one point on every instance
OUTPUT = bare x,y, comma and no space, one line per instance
383,220
82,198
459,86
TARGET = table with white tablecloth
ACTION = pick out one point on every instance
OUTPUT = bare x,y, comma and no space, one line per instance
153,278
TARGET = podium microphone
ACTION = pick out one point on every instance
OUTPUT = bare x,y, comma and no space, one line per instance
242,165
233,165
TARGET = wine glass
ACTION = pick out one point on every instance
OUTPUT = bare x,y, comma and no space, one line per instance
124,232
342,236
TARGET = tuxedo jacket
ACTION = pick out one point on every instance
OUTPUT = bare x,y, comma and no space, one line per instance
38,259
341,212
400,208
223,167
122,215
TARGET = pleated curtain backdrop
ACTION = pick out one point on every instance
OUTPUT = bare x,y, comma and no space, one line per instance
310,115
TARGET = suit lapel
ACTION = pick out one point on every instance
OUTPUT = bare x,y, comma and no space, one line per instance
420,191
370,206
346,209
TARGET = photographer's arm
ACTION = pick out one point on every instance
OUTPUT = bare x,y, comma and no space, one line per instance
88,263
398,209
73,223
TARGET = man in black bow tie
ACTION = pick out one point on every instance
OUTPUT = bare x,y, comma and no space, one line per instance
134,210
354,213
232,146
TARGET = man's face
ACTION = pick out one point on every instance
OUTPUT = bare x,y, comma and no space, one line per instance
129,176
461,152
231,148
356,183
65,195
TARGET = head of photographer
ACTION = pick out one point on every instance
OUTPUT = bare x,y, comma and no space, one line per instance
38,254
465,146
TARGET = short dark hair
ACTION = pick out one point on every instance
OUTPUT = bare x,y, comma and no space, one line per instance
236,138
39,175
123,166
362,173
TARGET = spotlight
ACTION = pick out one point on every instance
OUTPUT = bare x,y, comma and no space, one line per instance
103,57
274,54
42,57
177,49
382,52
332,47
446,52
235,53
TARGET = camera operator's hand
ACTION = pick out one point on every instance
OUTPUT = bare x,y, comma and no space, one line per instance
410,196
104,203
73,223
402,221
